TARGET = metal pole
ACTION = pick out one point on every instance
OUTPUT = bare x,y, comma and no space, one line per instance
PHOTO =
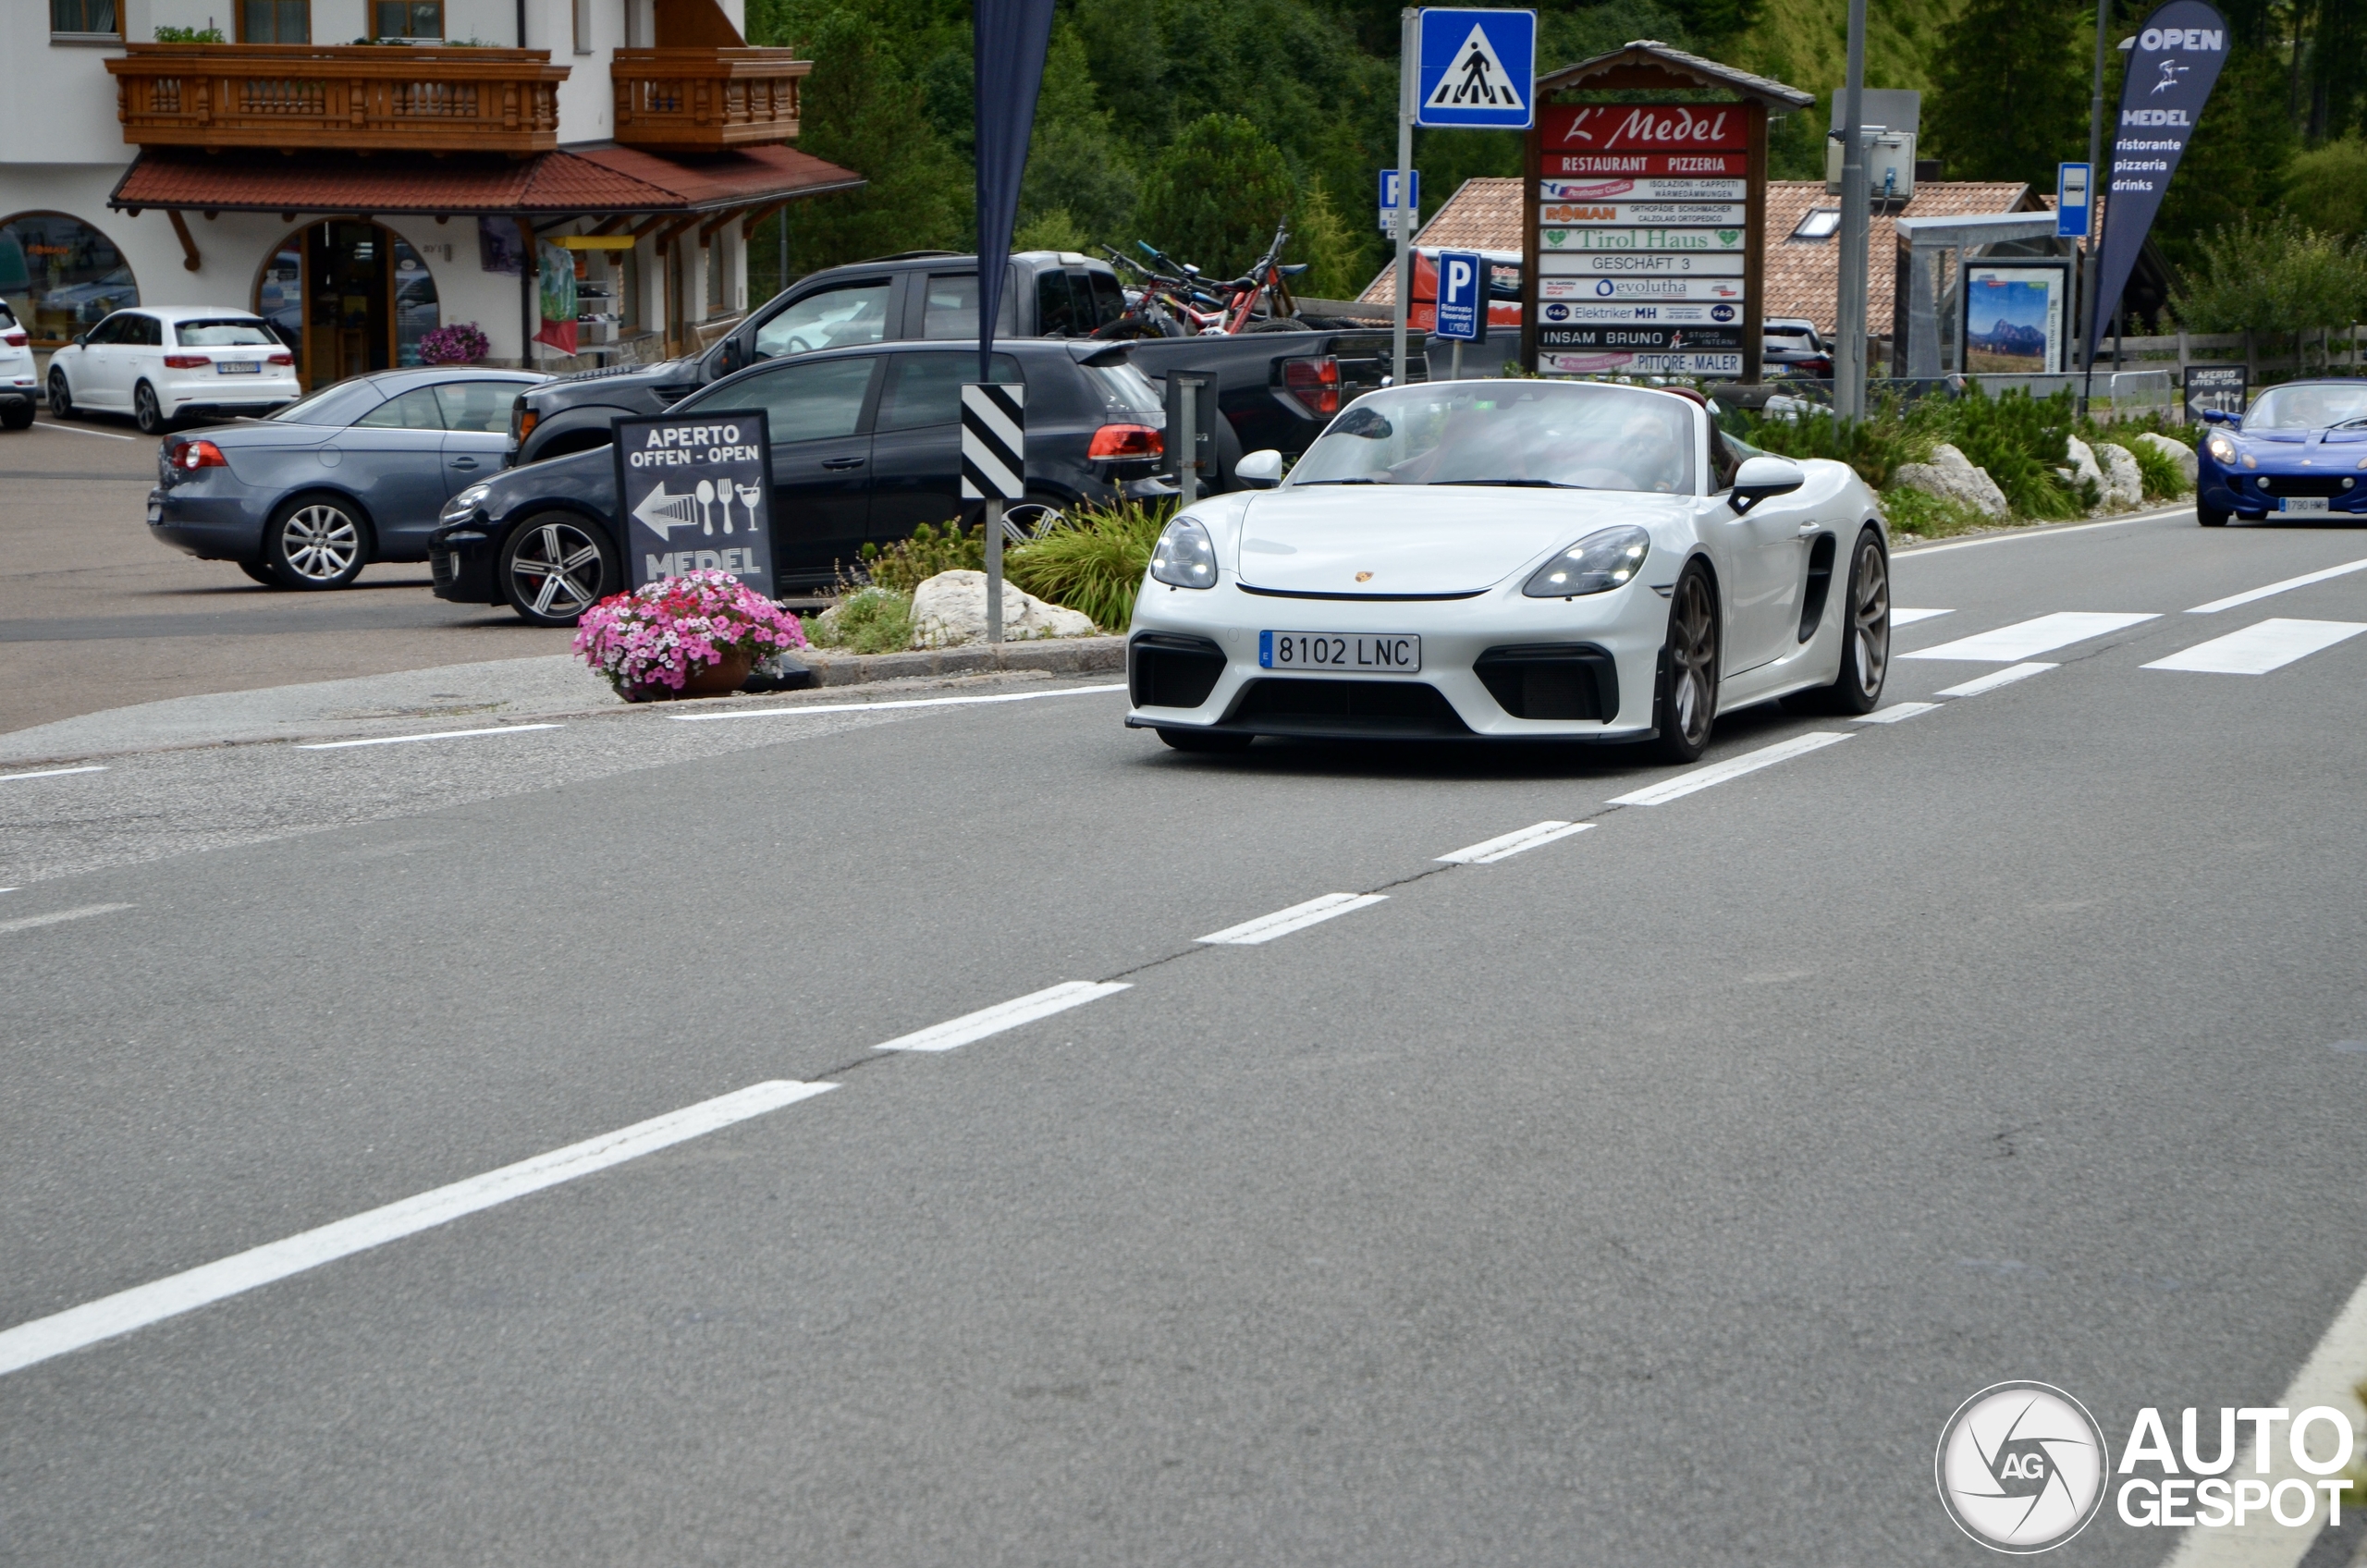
1849,365
993,569
2090,249
1456,373
1409,72
1187,450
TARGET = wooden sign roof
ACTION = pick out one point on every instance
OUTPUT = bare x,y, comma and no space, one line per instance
1650,64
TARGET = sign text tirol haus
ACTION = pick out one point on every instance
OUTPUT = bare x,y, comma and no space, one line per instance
694,492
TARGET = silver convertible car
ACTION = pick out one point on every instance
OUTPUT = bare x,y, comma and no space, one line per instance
1513,560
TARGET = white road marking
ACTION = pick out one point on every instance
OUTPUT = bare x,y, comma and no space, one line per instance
1733,767
2232,600
1298,918
26,923
54,772
73,430
1895,712
2256,650
1510,844
438,735
907,703
1997,678
2026,638
1908,618
2329,1377
77,1326
1003,1015
2022,535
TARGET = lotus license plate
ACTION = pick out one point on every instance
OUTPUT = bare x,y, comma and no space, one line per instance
1356,654
2302,504
237,367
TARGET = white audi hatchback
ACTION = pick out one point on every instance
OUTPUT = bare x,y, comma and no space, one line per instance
19,384
159,363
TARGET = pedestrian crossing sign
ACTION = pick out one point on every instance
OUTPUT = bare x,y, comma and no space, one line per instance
1479,69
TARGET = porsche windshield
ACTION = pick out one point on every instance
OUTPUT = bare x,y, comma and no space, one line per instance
1579,436
2307,407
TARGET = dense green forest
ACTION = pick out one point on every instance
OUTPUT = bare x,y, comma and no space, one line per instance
1199,125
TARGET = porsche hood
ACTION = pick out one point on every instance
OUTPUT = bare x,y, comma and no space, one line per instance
1430,539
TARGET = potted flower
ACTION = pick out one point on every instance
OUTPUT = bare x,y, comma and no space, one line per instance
697,635
462,343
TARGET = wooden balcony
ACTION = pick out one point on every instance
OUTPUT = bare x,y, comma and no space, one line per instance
352,98
705,99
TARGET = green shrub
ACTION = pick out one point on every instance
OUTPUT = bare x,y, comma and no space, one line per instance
908,563
2022,440
869,620
2164,479
189,35
1921,516
1094,564
1873,447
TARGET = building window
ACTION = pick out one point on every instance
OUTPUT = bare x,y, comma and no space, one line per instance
584,27
275,21
407,18
1819,224
61,276
89,18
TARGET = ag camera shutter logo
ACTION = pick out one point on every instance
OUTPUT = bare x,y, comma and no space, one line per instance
2021,1467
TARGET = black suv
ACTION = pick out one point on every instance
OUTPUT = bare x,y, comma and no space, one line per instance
866,446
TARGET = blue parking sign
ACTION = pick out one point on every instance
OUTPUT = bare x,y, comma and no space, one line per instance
1479,69
1463,296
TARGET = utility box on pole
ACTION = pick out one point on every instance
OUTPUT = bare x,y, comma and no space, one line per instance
1645,221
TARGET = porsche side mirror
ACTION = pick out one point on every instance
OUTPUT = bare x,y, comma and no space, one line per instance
1259,470
1763,477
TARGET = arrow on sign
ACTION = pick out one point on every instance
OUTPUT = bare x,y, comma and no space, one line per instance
661,511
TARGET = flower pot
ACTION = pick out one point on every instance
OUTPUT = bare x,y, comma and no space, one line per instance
711,681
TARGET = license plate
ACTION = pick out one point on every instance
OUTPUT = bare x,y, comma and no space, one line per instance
1370,653
155,513
2302,504
237,367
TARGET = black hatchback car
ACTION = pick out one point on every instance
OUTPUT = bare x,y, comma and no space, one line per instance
866,446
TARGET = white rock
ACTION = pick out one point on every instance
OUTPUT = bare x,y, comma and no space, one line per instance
1953,476
950,608
2085,470
2124,485
2175,450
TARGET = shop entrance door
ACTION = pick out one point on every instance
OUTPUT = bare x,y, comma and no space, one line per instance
349,298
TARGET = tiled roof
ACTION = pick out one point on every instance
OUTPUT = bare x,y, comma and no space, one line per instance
1802,276
585,179
1776,95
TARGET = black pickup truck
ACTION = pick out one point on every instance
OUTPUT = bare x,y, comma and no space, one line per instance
1277,386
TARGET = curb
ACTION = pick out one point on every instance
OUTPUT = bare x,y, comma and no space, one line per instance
1067,655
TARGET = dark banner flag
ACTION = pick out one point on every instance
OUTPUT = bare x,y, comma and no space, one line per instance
1008,40
2171,72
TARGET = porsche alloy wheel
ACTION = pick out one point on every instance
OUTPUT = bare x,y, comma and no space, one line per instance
314,544
1689,694
1865,647
554,569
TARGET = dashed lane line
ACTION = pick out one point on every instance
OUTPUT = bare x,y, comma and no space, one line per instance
109,1317
2232,600
1004,1015
1510,844
906,702
1895,712
1298,918
72,430
55,917
1699,777
433,735
1996,678
52,773
2256,650
2027,639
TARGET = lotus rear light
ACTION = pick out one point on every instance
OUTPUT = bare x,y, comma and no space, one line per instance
1120,442
1314,383
185,362
191,456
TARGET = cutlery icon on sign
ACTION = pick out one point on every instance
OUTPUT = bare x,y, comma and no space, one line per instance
748,497
706,494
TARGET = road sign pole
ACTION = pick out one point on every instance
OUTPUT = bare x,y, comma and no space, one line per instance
1849,362
1409,74
1455,372
993,569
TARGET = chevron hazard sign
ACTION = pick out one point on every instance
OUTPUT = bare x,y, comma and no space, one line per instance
994,441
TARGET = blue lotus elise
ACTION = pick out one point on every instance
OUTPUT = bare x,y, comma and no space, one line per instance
2302,451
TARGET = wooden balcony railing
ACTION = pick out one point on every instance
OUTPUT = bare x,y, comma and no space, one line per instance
704,100
350,98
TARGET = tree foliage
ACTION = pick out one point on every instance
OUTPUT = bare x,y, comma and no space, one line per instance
2276,277
2326,187
1215,196
2012,94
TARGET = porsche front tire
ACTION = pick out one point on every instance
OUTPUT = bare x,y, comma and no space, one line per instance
1865,635
1687,700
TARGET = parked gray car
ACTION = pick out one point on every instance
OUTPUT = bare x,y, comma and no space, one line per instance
354,474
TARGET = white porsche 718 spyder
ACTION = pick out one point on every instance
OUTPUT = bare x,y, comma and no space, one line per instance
1513,560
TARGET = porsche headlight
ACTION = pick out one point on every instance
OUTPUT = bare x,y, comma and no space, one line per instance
1184,557
1596,564
2222,449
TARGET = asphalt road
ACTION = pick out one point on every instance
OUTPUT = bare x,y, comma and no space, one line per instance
1650,1197
94,614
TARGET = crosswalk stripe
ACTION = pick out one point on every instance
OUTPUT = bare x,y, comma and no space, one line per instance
1899,617
2232,600
1996,678
2025,639
2256,650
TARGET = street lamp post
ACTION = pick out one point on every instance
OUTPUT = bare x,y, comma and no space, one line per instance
1849,362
